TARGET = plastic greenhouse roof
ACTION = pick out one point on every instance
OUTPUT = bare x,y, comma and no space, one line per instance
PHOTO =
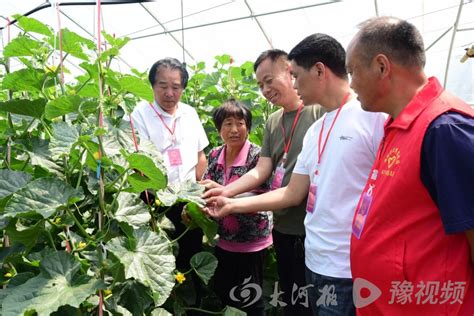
244,28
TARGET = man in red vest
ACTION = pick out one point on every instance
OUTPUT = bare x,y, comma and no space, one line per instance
412,247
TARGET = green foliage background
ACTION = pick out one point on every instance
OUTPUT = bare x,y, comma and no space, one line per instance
74,233
207,90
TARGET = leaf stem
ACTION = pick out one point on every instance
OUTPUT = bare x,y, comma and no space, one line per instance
82,169
160,215
50,238
27,128
181,236
76,221
26,164
46,128
118,192
111,184
83,85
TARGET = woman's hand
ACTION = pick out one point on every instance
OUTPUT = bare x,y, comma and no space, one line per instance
209,184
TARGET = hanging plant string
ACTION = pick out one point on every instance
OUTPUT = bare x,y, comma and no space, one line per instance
60,38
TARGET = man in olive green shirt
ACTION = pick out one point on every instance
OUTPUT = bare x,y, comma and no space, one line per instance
284,132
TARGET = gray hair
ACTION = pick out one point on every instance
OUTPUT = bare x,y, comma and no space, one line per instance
398,39
170,63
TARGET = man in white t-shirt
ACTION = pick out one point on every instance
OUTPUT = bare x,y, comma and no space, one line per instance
175,129
331,170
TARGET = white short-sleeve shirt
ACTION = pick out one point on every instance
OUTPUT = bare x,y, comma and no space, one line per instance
345,166
190,136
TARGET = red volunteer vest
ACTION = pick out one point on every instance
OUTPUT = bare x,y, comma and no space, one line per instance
403,237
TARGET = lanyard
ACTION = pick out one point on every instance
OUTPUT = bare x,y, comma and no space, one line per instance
321,150
171,131
283,131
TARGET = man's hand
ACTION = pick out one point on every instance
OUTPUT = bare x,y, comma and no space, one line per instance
219,206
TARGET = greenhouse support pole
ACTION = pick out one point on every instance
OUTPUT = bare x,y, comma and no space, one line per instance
438,39
259,24
455,29
166,31
376,4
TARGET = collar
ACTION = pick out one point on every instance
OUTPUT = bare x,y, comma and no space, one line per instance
178,113
417,104
241,158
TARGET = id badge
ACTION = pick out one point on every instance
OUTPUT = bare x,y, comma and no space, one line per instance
278,178
311,198
174,156
361,214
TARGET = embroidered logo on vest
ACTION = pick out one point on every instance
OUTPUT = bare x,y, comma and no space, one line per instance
391,160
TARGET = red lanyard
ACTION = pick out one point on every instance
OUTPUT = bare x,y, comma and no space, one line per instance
163,121
321,150
295,121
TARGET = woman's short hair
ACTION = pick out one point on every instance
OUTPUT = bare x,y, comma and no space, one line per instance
232,108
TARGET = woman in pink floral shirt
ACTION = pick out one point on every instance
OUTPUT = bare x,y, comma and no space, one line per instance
244,238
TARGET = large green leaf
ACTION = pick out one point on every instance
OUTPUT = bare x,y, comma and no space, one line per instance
133,295
109,53
92,70
204,264
160,312
112,79
236,73
137,87
74,44
182,192
132,210
41,156
89,106
17,280
118,137
43,196
139,183
117,42
147,166
223,59
8,254
211,80
232,311
27,79
62,105
89,90
26,235
149,260
208,226
59,283
11,181
21,46
32,25
148,147
64,137
33,108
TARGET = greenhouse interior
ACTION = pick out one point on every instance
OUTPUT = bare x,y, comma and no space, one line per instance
99,215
